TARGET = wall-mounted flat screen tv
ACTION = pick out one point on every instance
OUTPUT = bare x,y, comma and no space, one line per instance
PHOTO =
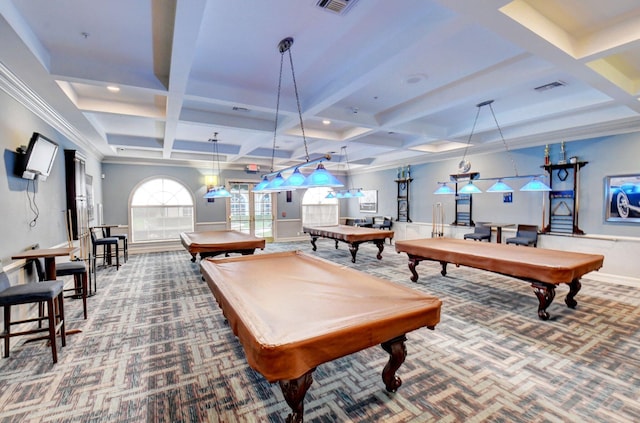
39,158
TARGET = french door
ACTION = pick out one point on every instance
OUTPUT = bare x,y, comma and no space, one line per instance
251,213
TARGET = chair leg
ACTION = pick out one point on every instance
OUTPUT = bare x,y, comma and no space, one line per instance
7,329
40,313
95,276
85,285
52,329
117,256
63,324
95,255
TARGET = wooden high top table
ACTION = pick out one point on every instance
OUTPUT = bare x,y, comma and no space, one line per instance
498,227
292,312
543,268
49,255
106,228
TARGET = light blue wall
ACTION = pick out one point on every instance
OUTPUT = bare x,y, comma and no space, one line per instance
607,156
17,229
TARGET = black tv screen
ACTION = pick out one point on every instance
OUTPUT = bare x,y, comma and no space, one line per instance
39,158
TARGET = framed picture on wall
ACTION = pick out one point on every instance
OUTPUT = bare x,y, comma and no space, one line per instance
89,194
622,198
369,201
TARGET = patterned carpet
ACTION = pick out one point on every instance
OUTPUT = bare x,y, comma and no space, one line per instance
156,348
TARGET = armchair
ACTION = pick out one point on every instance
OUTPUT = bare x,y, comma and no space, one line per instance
480,233
382,222
525,235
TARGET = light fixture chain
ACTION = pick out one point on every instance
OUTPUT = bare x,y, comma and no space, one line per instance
295,88
275,127
473,129
506,147
346,158
215,147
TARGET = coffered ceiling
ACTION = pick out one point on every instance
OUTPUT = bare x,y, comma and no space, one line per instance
397,82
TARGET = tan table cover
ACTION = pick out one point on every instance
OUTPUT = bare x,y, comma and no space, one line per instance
292,311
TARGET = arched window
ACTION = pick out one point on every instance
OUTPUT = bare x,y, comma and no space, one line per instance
161,209
317,210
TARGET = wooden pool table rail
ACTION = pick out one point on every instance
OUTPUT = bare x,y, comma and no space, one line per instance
213,243
543,268
352,235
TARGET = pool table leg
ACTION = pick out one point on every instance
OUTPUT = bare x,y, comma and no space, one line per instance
313,242
443,272
546,293
380,245
193,257
397,354
353,248
413,262
294,391
574,288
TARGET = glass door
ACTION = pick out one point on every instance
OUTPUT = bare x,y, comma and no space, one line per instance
251,213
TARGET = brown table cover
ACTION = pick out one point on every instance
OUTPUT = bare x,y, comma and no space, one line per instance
348,233
292,311
550,266
214,241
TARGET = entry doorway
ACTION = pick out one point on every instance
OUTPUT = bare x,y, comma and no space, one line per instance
251,213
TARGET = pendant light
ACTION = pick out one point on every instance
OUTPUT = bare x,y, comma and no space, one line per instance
216,191
320,177
535,184
444,189
350,192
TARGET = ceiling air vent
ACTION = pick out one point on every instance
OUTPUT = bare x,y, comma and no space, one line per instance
339,7
550,86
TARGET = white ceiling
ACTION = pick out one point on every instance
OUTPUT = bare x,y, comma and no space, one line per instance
399,80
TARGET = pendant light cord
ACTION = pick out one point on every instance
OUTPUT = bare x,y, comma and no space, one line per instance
473,129
275,126
295,88
215,145
506,147
346,158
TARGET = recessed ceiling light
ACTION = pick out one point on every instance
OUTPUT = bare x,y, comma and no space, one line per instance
326,122
113,88
415,78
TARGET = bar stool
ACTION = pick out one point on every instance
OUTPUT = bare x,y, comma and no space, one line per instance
125,243
77,269
50,292
106,244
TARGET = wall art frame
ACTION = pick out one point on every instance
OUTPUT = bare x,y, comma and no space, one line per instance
622,198
369,201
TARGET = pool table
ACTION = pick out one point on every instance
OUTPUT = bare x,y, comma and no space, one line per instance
292,312
352,235
543,268
213,243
